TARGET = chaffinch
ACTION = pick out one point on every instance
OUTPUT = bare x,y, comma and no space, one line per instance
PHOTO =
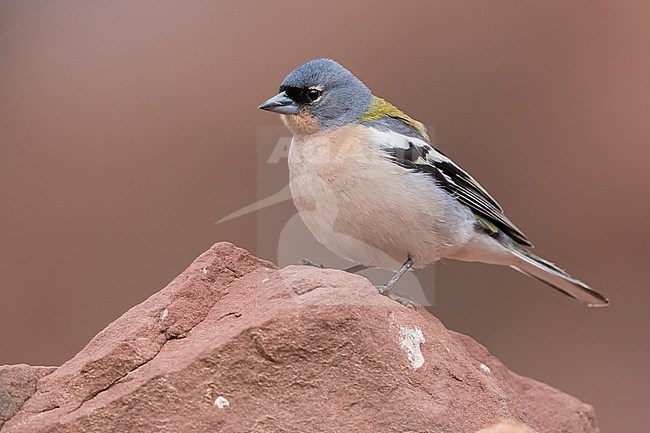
372,188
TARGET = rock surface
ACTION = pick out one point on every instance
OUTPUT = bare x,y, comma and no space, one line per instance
234,344
506,427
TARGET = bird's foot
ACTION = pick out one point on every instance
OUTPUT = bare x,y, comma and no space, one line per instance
386,291
383,289
307,262
352,269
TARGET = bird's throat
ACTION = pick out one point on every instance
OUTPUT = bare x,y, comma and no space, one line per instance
301,124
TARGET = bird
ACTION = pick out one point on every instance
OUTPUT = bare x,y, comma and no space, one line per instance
369,185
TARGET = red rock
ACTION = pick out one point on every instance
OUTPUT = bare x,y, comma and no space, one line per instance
506,427
235,345
17,384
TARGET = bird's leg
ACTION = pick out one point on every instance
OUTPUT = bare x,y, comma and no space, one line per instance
356,268
386,288
352,269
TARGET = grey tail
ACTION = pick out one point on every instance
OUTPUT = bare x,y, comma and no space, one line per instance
535,267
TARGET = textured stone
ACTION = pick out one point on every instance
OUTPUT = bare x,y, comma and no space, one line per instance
17,384
236,345
506,427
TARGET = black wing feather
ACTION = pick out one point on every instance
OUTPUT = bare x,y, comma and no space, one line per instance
458,183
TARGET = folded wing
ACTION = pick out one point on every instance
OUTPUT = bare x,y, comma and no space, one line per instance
420,156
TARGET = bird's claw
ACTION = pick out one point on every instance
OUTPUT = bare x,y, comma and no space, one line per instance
385,291
402,300
307,262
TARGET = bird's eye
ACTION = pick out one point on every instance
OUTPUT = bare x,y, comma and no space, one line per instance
313,94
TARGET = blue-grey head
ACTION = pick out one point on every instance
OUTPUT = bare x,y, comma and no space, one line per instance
318,96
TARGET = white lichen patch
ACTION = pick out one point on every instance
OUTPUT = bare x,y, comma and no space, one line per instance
410,340
221,402
485,369
204,269
164,314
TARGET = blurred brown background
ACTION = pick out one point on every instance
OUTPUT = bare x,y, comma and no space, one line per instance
128,128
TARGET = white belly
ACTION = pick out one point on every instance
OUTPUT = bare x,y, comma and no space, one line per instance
369,210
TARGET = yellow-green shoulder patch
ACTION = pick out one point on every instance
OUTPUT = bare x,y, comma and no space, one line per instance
486,225
379,108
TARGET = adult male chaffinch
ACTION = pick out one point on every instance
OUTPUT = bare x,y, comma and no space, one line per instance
371,187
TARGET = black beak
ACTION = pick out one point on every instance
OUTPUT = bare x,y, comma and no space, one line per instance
281,103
